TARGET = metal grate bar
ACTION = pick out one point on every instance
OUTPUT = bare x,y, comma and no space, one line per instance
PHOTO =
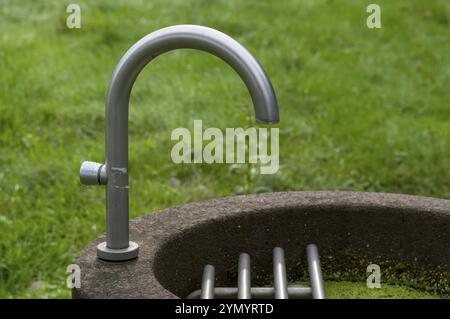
281,290
294,291
208,282
279,274
244,287
315,273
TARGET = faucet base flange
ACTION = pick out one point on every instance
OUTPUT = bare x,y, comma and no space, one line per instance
109,254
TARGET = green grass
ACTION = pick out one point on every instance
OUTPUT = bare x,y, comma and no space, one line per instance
360,109
359,290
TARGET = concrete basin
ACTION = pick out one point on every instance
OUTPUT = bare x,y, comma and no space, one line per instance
351,229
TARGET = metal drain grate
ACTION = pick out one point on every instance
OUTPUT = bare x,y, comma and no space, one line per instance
281,290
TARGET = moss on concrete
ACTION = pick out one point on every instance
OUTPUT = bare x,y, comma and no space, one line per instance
359,290
352,268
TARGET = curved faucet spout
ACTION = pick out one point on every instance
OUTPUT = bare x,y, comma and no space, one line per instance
117,246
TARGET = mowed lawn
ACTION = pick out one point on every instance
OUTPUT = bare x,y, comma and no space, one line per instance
361,109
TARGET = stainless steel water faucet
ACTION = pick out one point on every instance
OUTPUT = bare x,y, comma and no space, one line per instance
114,173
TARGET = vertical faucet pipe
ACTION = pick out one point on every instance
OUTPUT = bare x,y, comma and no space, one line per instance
117,246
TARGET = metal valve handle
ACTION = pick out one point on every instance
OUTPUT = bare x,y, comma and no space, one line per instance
92,173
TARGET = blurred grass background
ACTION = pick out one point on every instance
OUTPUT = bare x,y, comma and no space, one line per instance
361,109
